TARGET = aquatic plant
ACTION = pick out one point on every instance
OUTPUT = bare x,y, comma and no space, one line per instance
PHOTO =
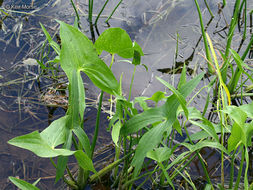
145,146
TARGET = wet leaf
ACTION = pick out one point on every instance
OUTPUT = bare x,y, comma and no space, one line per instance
23,185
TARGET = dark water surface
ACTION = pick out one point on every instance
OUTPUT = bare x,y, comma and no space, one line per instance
154,24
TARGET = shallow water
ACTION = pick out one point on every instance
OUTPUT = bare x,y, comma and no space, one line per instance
153,24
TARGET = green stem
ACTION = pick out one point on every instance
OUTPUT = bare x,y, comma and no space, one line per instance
200,159
245,19
108,168
232,170
230,37
208,8
208,54
94,140
107,20
131,85
234,81
77,15
224,3
240,170
100,12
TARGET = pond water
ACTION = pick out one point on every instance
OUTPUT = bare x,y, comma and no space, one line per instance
154,24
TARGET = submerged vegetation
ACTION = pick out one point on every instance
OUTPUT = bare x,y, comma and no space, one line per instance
144,136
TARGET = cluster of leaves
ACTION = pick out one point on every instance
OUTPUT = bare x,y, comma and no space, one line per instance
148,134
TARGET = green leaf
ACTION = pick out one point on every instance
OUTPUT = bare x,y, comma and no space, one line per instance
138,48
160,154
203,144
55,133
23,185
177,126
157,96
147,142
207,128
35,143
73,110
241,64
63,160
52,43
236,114
142,102
84,161
116,132
84,140
248,109
182,80
142,120
136,58
115,41
178,95
78,53
235,137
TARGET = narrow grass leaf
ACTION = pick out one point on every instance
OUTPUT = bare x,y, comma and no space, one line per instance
218,69
203,144
23,185
52,43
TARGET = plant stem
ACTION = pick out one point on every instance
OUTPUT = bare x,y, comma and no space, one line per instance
200,159
240,171
131,85
107,20
232,170
208,54
108,168
224,3
208,8
77,15
230,37
100,12
94,140
90,20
